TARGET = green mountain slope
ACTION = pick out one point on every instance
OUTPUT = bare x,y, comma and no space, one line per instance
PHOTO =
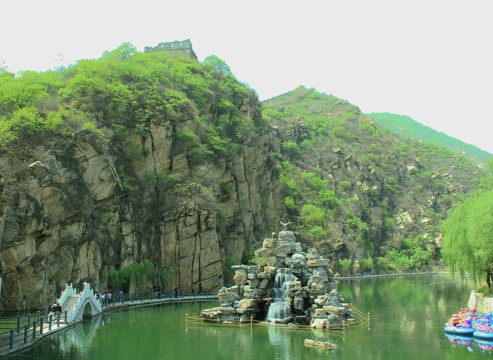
358,191
407,127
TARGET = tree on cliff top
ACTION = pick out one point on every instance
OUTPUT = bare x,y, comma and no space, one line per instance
468,237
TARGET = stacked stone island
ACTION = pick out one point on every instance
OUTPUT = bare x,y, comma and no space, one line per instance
308,288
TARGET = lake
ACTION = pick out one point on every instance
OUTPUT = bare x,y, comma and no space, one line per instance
407,316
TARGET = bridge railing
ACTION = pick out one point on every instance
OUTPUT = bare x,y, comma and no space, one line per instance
87,293
68,291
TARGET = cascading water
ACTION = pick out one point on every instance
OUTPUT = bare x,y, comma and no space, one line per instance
280,309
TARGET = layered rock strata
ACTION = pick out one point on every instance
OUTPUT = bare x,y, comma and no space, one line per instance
73,208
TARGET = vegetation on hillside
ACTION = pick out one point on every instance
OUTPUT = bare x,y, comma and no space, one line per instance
355,190
406,127
124,90
117,97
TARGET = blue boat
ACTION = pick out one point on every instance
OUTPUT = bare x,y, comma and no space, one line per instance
459,331
483,335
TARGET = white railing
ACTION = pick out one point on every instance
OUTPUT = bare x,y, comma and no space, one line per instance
69,291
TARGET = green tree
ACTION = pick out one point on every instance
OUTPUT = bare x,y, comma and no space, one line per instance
167,273
121,53
366,264
318,232
119,278
468,237
217,64
291,148
345,265
141,272
312,215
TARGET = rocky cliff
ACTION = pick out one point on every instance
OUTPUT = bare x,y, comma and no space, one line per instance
107,195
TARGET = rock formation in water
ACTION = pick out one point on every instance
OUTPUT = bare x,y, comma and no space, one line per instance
292,287
322,345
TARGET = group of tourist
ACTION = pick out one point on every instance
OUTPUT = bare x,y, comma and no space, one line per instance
104,298
177,293
56,307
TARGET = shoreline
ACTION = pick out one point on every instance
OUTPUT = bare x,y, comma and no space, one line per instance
376,276
19,344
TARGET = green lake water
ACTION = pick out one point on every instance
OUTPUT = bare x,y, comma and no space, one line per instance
407,316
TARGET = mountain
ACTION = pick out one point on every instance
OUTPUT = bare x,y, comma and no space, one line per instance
355,190
406,127
139,158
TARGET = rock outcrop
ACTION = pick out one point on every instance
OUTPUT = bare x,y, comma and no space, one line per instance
292,287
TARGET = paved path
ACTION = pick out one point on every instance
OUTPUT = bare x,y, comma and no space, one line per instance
149,302
374,276
22,340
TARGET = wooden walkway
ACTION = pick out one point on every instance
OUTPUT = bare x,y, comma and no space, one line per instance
11,343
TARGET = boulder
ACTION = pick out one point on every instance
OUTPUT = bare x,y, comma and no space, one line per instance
319,323
298,261
240,277
323,345
334,298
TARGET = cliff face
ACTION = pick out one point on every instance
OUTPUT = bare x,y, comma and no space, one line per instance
72,208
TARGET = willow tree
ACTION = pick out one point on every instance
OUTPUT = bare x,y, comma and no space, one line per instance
468,237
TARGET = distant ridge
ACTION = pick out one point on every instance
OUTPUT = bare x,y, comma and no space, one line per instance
407,127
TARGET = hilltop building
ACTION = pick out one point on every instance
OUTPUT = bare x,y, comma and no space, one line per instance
181,48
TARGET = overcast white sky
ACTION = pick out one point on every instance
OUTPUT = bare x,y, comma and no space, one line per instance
429,59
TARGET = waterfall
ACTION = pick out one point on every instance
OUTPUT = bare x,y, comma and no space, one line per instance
280,309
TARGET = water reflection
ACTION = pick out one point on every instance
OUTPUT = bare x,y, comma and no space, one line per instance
466,341
471,344
486,347
80,336
72,343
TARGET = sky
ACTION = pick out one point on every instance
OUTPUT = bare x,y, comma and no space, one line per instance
431,60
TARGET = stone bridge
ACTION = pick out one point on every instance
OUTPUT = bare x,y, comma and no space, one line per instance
79,305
